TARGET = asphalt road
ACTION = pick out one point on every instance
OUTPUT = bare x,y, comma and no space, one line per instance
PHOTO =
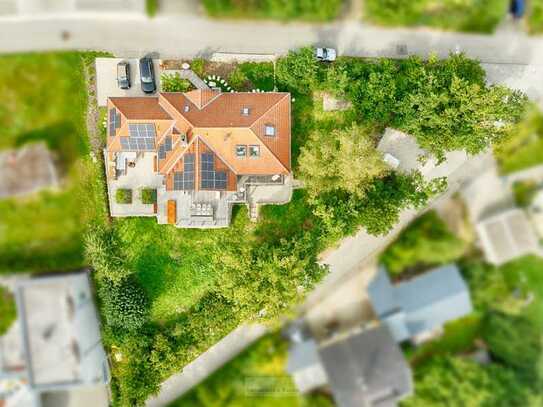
190,35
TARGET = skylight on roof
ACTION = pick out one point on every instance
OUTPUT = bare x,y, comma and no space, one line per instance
269,130
245,111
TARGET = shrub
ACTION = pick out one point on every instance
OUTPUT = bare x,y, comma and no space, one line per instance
524,192
198,66
8,312
151,7
101,248
125,304
427,241
148,196
123,196
174,83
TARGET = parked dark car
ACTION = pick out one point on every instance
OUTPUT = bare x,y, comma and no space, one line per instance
517,8
147,75
123,75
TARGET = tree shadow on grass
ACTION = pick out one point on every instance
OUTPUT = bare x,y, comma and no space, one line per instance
62,138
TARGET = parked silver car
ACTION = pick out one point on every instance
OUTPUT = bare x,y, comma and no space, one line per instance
325,54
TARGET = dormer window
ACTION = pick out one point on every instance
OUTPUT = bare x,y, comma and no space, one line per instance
269,130
186,108
245,111
241,151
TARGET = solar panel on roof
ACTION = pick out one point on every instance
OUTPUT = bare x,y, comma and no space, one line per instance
114,121
142,137
168,143
209,178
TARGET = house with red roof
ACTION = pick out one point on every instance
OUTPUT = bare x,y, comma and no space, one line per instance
201,151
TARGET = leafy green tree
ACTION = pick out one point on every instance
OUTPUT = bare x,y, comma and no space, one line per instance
376,95
298,70
341,159
516,341
125,303
426,241
456,382
8,311
462,116
380,209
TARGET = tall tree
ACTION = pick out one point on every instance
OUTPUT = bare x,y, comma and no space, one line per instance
341,160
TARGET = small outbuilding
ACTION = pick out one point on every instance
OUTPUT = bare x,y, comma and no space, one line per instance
507,235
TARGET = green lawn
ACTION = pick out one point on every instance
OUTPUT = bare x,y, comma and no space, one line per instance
45,98
175,266
306,10
255,378
524,146
465,15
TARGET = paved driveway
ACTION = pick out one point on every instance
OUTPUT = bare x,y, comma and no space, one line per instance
106,78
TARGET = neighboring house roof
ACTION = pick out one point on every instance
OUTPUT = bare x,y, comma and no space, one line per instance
507,235
26,170
222,121
61,331
363,368
305,366
367,369
402,152
421,304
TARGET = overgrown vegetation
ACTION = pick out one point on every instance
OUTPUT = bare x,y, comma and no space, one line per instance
174,83
424,243
469,15
44,231
308,10
8,311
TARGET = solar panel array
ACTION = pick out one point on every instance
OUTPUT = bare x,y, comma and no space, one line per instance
142,137
211,179
114,121
184,181
165,147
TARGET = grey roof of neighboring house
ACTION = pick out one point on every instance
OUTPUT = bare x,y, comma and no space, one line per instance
60,331
421,304
507,235
367,369
302,355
